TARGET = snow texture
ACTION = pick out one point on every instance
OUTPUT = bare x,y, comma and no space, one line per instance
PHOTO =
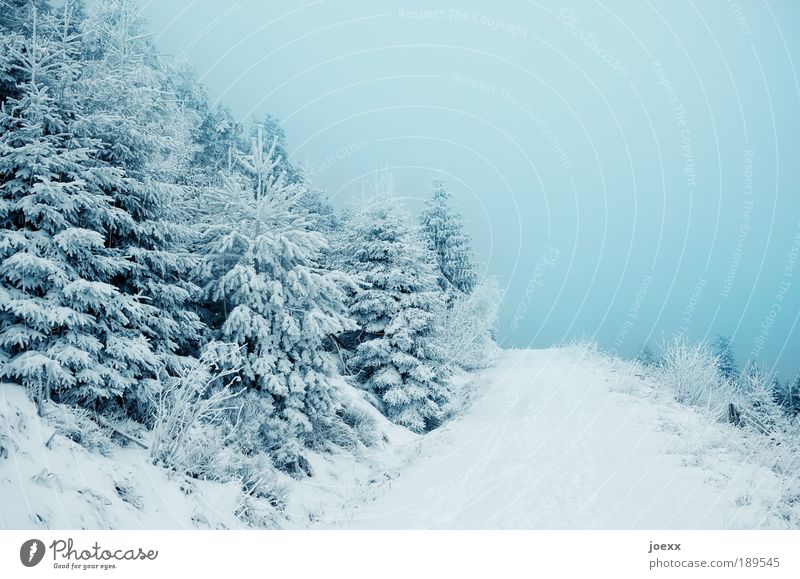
560,438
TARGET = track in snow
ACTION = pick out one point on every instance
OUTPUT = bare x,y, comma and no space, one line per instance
553,443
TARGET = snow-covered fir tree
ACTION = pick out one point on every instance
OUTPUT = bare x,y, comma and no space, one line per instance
136,232
647,357
758,388
147,134
723,349
12,19
217,136
268,294
789,395
274,134
16,15
66,329
398,360
444,231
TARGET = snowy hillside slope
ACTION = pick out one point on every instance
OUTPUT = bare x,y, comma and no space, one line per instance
65,486
568,438
51,482
557,438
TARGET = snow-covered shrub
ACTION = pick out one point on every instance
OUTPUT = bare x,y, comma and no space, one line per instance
788,395
773,439
691,373
465,333
341,435
191,408
260,430
126,490
78,425
258,514
125,431
208,429
362,423
254,474
585,346
757,398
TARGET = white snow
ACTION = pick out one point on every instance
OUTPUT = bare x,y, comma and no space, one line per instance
561,438
558,438
67,487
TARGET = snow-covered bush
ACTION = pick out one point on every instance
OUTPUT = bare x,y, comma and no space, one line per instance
647,358
466,331
361,422
759,408
191,408
789,395
78,425
203,429
258,514
259,429
691,373
774,439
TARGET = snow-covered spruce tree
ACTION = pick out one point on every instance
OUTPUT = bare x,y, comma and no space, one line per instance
274,134
398,360
446,237
11,42
213,131
789,395
147,133
66,329
16,15
268,294
218,134
468,324
761,410
647,358
315,203
723,349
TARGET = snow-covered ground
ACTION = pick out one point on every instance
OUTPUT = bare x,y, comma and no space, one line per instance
64,486
558,438
564,438
48,481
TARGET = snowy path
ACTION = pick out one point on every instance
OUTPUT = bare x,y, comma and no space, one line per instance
555,441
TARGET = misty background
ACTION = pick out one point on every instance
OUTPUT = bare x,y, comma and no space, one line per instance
627,170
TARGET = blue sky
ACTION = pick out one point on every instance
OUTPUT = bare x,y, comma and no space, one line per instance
628,170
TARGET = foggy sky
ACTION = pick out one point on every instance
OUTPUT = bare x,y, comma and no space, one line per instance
628,170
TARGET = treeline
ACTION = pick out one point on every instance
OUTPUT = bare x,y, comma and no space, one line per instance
170,273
